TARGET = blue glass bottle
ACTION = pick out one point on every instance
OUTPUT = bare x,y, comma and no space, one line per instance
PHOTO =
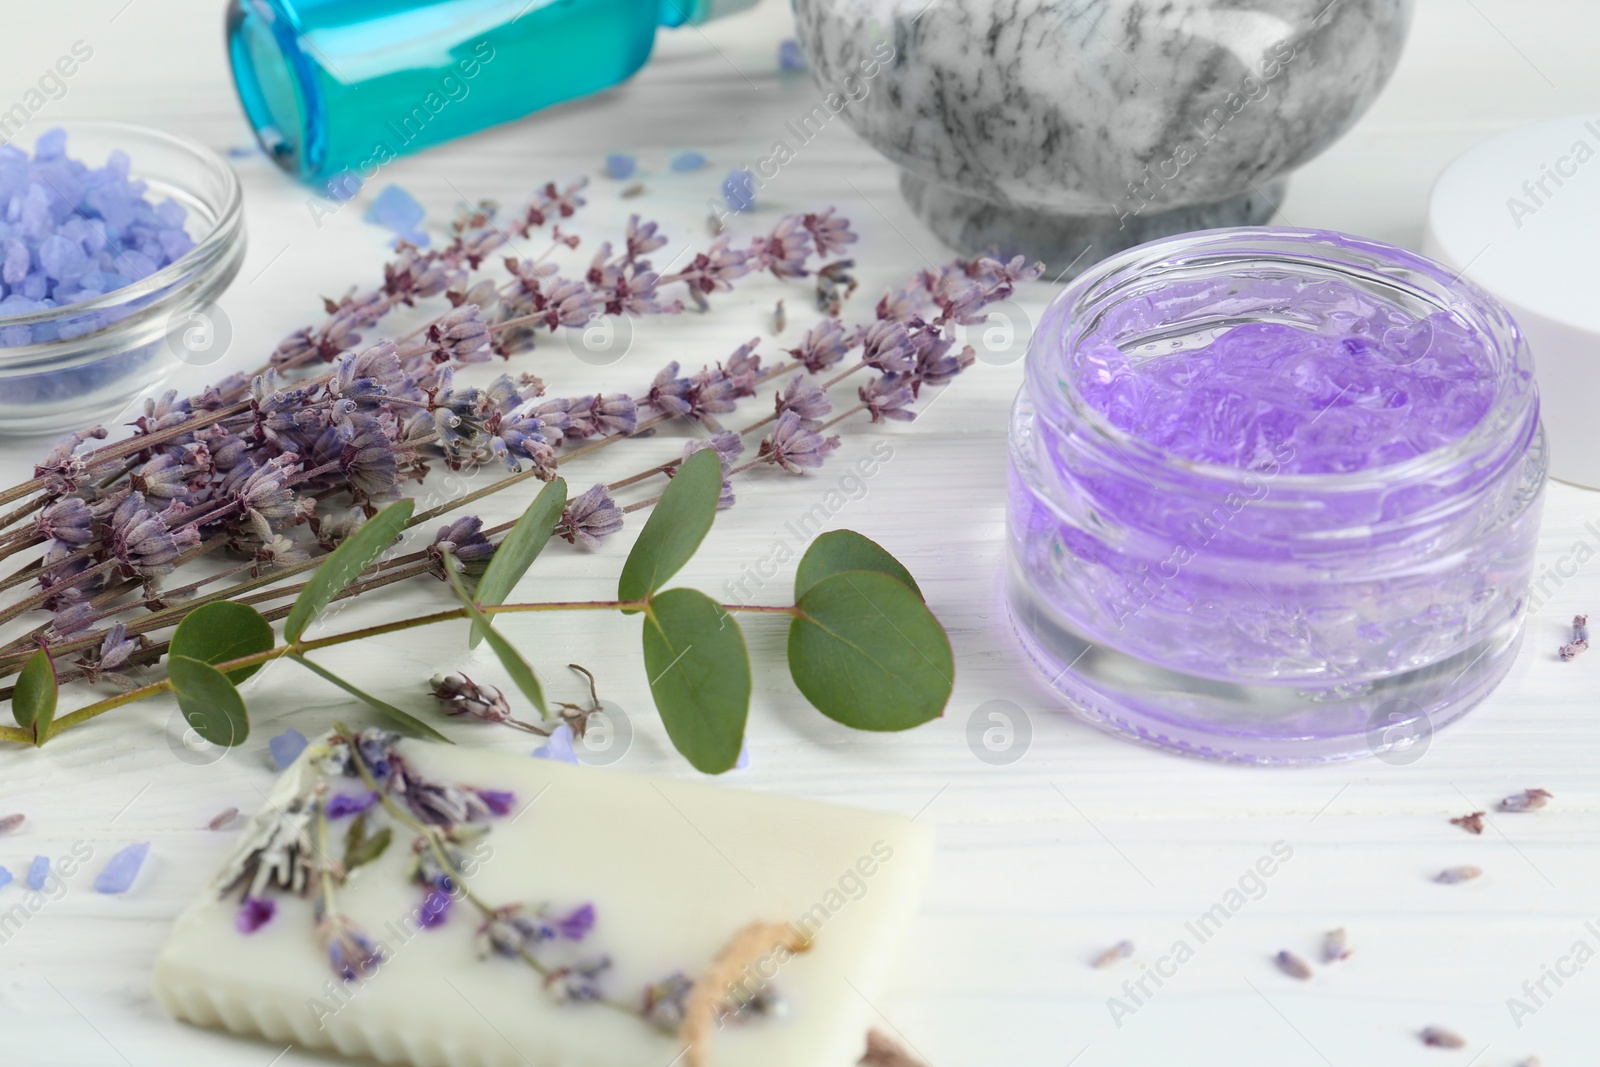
337,87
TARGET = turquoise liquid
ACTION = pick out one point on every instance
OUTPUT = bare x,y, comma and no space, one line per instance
336,87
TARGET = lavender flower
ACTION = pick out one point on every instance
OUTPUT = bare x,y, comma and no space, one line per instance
143,543
69,521
642,239
61,468
728,446
499,801
597,416
793,447
716,268
934,363
351,953
464,539
590,518
666,1003
885,346
435,908
889,396
785,250
367,375
513,931
115,650
670,394
462,696
807,401
460,337
824,345
1527,800
830,232
580,981
439,803
559,746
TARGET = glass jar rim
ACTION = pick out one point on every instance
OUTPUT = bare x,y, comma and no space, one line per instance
220,246
1508,418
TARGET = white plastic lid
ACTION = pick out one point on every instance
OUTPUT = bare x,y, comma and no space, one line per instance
1519,215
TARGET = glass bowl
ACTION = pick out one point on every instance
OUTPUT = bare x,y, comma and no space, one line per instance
63,367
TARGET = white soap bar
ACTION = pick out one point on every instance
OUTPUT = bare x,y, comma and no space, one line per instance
676,873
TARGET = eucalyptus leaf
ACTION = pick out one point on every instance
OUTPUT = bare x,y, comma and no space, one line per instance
867,652
222,631
33,701
519,548
699,675
209,702
509,657
846,550
359,848
345,564
677,525
404,718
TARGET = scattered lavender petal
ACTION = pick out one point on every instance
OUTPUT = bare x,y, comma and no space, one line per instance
558,747
435,908
1452,875
789,55
687,161
121,869
1472,824
1439,1037
11,822
576,925
500,801
739,190
1336,946
1120,951
254,913
631,191
1292,965
1527,800
620,165
38,871
286,747
223,819
340,804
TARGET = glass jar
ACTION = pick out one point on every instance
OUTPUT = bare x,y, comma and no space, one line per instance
1320,594
64,367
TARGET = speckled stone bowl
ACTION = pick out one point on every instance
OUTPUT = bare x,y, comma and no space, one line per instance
1071,129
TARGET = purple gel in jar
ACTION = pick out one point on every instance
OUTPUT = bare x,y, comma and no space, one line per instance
1274,496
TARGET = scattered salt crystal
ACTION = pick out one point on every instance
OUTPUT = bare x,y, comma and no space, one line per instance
11,822
223,819
121,869
739,190
744,756
398,211
558,747
286,747
685,162
1527,800
620,165
1452,875
5,877
790,57
38,871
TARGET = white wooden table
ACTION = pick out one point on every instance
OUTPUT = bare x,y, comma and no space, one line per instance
1041,864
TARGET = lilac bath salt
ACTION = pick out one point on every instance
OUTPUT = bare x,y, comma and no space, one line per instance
5,877
38,872
121,869
286,747
71,232
1274,496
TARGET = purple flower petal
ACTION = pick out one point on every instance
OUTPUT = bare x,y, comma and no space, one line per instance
500,802
254,913
120,870
38,871
435,908
286,747
576,926
559,747
340,804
